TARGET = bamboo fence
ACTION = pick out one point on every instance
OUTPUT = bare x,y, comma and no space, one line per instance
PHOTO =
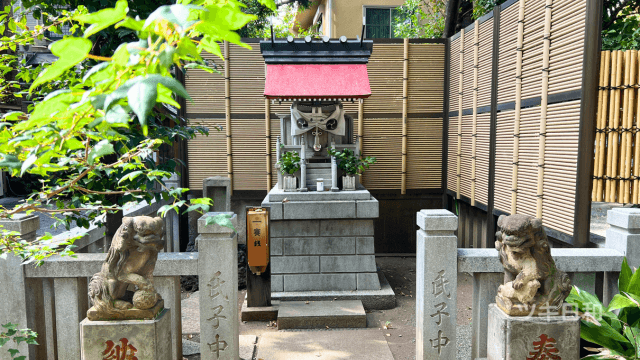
537,110
616,170
401,124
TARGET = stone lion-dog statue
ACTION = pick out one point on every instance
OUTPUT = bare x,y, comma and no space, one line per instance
532,283
129,266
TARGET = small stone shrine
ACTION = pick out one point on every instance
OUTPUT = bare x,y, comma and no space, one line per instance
530,319
322,236
128,318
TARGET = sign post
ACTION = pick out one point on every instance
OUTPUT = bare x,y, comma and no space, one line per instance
258,268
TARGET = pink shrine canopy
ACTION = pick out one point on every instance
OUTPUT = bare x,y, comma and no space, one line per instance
317,81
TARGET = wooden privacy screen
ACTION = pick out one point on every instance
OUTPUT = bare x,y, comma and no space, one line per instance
617,156
253,137
538,58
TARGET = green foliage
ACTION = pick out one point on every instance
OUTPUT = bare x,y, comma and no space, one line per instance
17,336
350,163
621,29
482,7
282,28
96,135
619,335
289,163
420,19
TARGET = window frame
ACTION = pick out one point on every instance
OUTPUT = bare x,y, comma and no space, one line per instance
387,7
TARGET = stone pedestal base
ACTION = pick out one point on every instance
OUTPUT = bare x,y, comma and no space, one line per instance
532,337
144,339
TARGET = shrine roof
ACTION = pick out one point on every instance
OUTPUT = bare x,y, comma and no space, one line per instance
316,51
316,81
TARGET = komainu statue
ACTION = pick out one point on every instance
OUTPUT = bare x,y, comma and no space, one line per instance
533,284
123,289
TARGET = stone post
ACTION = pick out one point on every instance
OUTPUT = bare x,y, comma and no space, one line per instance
218,188
303,165
623,235
278,159
437,279
485,289
173,221
20,296
334,171
218,280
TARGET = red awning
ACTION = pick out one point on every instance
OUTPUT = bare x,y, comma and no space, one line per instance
317,81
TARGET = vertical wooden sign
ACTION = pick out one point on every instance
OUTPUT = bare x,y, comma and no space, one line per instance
258,269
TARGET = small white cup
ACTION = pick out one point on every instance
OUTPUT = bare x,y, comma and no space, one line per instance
320,185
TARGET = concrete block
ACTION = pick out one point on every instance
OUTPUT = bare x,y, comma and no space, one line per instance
485,289
26,225
438,219
295,228
358,227
144,339
295,264
436,279
625,241
368,208
365,245
626,218
381,299
355,263
275,246
520,337
203,228
275,210
320,246
218,188
567,259
277,283
319,282
218,281
368,281
277,195
335,209
71,305
321,314
259,313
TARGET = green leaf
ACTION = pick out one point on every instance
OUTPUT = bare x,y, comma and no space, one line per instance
177,14
103,18
142,98
619,302
130,176
166,56
625,276
135,25
634,283
223,220
13,352
268,3
70,51
10,161
27,163
101,149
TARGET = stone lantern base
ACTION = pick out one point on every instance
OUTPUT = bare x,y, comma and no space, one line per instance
119,339
532,337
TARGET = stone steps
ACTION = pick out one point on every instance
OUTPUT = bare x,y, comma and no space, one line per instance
321,314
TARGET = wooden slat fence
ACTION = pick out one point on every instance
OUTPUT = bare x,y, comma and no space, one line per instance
528,163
